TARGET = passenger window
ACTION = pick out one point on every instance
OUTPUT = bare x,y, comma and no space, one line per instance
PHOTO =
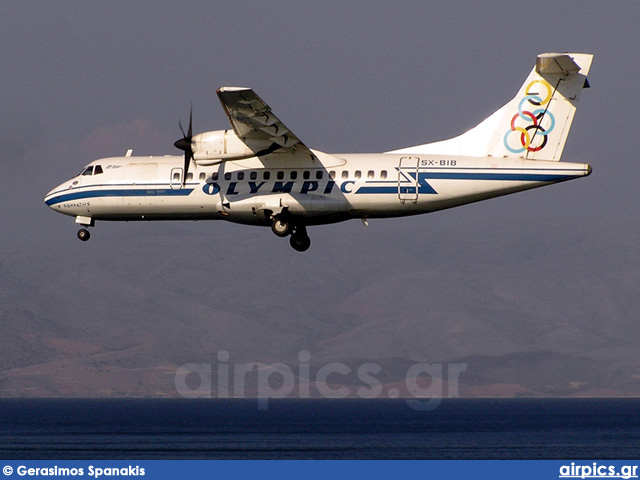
189,176
345,174
332,174
319,175
202,176
253,175
97,170
176,176
214,176
370,174
383,174
227,176
293,174
240,175
358,174
280,175
266,175
306,174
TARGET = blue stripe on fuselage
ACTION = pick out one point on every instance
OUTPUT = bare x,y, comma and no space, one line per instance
425,188
120,192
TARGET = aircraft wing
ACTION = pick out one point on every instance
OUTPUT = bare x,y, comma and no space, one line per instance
255,124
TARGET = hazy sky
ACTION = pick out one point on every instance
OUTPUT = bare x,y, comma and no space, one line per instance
84,80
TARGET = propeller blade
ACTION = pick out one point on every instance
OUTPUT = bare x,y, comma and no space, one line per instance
184,144
188,154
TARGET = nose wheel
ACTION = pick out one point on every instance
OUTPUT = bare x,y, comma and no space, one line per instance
83,234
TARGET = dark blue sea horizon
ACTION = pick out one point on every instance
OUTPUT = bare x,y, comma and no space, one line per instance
38,429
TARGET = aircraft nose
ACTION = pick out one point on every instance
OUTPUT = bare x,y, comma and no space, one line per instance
50,198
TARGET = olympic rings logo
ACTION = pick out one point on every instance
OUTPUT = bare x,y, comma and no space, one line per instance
531,135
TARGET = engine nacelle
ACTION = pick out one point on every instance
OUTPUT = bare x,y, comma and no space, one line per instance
219,146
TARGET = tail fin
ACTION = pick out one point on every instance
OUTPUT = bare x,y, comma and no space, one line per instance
535,124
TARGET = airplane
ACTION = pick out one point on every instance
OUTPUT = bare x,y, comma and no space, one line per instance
260,173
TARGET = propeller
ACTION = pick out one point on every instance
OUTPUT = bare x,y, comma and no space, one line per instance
184,144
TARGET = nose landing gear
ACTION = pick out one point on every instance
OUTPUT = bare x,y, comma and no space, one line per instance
83,234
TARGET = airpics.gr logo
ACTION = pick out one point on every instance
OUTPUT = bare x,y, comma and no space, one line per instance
527,132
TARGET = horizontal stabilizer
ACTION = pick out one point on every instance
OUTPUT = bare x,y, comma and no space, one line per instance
556,64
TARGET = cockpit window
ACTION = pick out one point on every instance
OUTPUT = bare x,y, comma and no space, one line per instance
91,170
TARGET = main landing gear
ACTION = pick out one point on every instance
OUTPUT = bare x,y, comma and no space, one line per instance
299,240
282,227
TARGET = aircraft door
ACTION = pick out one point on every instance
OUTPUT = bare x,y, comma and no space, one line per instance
176,178
408,179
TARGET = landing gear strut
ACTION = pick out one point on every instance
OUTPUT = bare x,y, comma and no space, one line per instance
83,234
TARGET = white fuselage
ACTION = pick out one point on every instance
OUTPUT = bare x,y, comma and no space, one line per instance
260,173
329,189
